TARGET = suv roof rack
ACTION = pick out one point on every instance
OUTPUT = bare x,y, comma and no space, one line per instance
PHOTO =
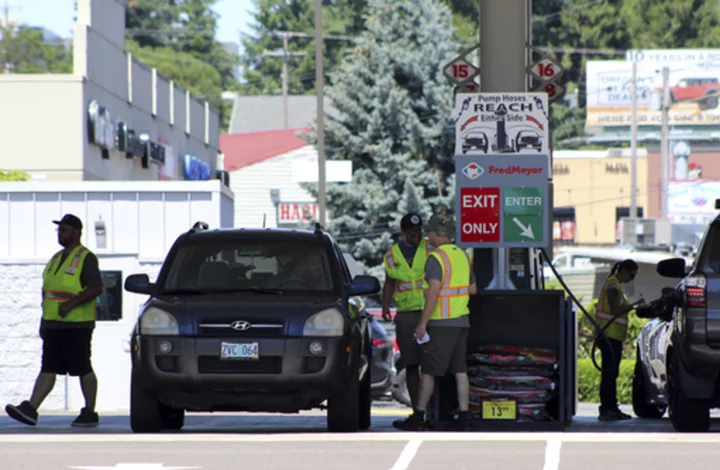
198,226
717,204
319,229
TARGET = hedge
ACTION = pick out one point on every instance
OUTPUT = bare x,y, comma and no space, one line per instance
589,381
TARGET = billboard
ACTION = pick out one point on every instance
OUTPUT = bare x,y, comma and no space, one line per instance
692,201
694,88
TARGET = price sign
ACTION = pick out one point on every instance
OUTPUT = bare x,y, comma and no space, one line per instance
499,409
555,91
546,70
460,70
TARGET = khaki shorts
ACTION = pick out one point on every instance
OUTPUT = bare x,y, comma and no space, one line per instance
405,324
446,352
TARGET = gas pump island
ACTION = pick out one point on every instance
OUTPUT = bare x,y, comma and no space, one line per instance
522,343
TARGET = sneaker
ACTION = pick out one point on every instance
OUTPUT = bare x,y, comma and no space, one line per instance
24,412
460,421
613,415
86,419
414,422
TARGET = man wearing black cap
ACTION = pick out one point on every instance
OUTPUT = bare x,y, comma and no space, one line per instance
404,279
71,284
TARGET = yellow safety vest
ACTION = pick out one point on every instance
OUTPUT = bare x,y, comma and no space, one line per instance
64,285
603,312
455,287
410,284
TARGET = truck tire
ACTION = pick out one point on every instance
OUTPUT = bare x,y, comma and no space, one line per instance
641,407
343,412
145,409
686,415
710,101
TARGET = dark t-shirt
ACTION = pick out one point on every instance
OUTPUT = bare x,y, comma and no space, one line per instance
407,251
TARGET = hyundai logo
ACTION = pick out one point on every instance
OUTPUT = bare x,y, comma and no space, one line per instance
240,325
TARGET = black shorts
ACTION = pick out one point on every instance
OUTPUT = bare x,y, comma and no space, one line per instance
66,351
405,325
446,352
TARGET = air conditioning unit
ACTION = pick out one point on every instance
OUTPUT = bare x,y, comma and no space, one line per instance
645,232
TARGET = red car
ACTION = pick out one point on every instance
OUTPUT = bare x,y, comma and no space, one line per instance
704,91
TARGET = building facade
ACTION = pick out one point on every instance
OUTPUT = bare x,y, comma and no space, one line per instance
592,193
113,118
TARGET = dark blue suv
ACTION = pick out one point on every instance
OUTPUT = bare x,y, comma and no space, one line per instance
252,320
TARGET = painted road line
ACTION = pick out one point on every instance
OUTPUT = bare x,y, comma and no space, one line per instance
552,454
407,455
209,437
391,412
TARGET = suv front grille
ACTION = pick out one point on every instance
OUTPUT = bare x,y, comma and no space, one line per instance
215,365
223,329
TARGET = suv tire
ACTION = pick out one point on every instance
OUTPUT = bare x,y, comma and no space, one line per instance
686,415
343,412
145,409
641,407
172,418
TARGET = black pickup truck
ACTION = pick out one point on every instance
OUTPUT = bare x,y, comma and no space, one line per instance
678,351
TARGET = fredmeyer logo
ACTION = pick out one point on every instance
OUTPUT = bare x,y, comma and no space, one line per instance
514,170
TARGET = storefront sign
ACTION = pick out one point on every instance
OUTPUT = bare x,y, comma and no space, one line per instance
101,130
195,169
293,212
135,146
157,153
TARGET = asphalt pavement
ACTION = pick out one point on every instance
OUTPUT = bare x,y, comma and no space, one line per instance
258,441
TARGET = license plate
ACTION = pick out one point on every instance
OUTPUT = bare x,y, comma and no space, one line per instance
500,409
239,351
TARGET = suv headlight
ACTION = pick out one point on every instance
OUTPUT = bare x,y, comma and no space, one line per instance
328,322
157,322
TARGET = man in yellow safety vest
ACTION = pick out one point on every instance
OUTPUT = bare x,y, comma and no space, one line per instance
442,331
404,280
71,284
611,302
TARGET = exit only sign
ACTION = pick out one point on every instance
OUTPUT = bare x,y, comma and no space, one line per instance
502,201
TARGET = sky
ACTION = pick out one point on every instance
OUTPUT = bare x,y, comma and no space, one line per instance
57,16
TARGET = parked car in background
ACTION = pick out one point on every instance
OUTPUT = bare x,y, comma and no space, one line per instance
382,371
399,389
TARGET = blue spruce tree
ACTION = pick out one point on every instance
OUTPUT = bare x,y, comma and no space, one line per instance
394,109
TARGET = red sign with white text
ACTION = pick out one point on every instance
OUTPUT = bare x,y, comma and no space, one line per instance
479,215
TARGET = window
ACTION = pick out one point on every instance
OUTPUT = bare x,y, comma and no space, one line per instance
236,264
108,306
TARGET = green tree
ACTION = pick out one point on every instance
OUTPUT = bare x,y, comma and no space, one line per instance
395,106
149,22
22,50
13,175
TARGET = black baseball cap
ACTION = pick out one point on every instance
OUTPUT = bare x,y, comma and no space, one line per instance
410,220
71,221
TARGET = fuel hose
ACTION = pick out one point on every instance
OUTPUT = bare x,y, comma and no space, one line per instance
600,332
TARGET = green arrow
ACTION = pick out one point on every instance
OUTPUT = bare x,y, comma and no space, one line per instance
526,231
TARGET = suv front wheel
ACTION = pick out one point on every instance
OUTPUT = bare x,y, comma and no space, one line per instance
343,411
145,409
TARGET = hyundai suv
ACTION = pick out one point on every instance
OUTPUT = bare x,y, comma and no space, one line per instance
259,320
678,351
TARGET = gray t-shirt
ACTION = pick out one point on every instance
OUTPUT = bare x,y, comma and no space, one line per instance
433,270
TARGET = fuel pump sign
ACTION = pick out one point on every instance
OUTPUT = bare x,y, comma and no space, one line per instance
502,200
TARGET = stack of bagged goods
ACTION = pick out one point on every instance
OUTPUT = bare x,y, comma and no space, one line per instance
527,376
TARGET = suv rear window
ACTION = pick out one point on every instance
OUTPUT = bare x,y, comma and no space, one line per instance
244,264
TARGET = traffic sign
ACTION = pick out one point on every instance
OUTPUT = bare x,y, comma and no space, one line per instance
546,69
554,91
467,87
501,123
460,70
523,214
480,215
501,201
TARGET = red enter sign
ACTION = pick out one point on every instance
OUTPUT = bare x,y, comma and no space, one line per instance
480,215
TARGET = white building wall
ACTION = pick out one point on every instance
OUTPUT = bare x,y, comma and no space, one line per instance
252,184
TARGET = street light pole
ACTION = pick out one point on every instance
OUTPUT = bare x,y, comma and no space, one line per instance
319,85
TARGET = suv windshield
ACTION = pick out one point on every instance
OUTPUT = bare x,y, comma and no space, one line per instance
253,265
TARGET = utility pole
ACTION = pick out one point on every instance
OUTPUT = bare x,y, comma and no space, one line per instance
664,143
633,143
285,54
319,89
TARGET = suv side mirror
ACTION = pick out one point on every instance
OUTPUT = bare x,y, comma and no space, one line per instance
673,267
364,285
139,284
